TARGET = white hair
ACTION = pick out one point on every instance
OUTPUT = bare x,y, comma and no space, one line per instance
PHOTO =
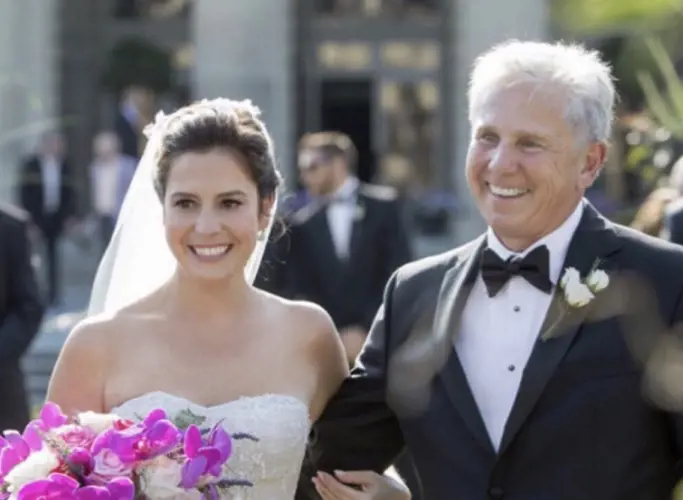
580,73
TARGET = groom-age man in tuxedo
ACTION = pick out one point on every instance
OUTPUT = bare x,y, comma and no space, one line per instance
516,366
340,249
21,311
48,194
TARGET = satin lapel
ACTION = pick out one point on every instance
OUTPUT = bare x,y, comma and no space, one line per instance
455,290
593,242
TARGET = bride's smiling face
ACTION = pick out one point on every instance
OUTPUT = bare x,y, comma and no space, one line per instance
212,213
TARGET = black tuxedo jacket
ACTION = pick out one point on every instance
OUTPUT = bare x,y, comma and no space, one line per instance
585,423
21,311
31,195
303,264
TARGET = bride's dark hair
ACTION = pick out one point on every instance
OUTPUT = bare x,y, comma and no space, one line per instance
219,123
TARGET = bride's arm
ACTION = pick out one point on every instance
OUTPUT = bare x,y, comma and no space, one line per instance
326,353
77,381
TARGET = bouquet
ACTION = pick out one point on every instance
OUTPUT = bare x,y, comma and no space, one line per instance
103,457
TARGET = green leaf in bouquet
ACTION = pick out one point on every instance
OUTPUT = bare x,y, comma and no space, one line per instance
186,418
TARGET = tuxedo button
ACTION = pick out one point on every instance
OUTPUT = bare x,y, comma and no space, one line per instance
496,493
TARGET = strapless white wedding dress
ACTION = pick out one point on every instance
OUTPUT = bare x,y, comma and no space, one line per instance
272,464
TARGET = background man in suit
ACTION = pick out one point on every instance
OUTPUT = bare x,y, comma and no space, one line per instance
47,192
513,367
342,247
21,312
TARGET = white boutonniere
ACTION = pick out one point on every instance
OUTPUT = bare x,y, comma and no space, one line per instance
578,292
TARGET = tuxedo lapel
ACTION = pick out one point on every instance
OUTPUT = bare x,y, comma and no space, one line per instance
594,241
321,238
455,290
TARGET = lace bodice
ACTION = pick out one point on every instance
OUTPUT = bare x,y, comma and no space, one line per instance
280,422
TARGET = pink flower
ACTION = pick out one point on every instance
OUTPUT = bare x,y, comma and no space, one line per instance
108,465
76,436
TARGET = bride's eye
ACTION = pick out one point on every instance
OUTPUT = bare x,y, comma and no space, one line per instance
184,203
230,203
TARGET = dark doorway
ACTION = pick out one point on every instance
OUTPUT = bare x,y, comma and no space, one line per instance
346,107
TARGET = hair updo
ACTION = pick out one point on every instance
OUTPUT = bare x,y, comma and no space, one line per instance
218,123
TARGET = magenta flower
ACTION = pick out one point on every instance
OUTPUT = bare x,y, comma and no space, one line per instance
154,436
204,456
63,487
9,458
75,436
55,487
50,417
120,488
16,442
80,461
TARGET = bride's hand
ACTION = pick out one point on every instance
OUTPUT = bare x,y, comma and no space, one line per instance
372,486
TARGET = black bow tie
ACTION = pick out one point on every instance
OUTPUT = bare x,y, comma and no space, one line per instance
533,267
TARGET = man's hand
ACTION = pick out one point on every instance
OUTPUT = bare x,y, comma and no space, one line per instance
372,486
353,338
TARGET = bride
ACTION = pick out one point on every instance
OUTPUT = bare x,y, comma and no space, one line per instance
174,321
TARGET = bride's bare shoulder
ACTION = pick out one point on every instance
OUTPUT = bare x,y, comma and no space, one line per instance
105,330
315,329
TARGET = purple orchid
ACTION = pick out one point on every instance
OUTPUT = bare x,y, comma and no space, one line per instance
204,456
50,417
154,436
120,488
62,487
55,487
80,461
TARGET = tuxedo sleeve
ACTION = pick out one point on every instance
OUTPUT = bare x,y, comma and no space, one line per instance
358,430
25,307
677,418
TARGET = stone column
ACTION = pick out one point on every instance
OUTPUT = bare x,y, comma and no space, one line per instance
476,27
28,81
245,49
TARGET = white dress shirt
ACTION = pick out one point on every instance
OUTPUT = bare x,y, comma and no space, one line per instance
497,334
340,216
105,177
51,171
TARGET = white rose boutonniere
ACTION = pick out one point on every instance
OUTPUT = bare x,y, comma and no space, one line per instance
597,280
578,292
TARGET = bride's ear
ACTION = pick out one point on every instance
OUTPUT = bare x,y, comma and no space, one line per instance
266,212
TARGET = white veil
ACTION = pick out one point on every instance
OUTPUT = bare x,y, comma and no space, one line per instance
137,260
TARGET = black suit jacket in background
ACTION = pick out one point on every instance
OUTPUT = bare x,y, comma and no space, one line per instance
31,196
21,311
303,264
581,426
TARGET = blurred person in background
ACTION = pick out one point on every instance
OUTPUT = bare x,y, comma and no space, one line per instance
21,311
341,248
110,174
651,215
47,192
